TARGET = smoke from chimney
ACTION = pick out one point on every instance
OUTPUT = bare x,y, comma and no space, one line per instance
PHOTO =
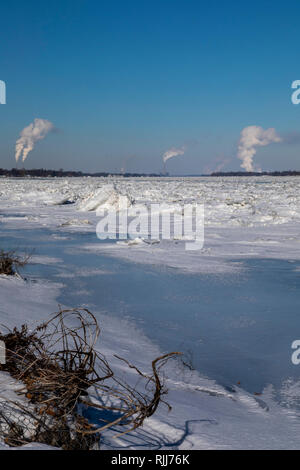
173,152
251,138
37,130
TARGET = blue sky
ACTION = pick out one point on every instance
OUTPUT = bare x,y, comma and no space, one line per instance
125,80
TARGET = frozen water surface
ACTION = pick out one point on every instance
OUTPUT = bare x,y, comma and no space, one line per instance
234,327
233,307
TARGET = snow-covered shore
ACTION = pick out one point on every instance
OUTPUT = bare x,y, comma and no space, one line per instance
204,415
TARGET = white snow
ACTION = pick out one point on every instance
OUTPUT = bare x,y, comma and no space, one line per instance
244,217
204,415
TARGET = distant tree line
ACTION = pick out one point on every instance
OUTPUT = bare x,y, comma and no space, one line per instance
43,173
254,173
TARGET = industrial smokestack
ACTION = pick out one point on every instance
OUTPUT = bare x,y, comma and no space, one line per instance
172,152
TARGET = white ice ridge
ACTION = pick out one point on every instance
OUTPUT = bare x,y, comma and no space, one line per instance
230,201
244,216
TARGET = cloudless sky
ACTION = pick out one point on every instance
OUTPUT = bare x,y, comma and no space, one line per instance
124,80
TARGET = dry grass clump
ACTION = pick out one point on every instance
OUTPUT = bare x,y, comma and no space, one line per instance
60,368
10,262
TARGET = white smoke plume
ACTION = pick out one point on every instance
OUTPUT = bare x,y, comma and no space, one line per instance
173,152
37,130
251,138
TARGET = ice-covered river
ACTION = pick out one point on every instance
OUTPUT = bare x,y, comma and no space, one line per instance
236,328
232,307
